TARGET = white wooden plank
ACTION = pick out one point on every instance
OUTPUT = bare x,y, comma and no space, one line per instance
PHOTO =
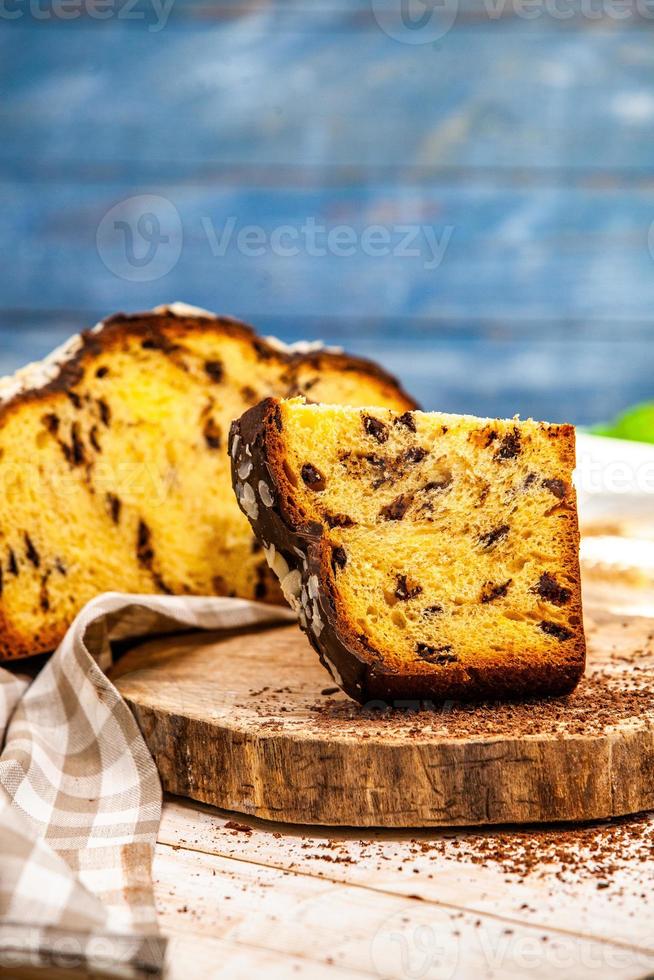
450,869
363,931
192,956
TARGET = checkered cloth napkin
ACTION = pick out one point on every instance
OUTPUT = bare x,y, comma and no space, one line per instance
80,798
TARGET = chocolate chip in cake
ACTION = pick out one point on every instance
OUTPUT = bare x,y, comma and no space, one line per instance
404,590
144,549
384,469
102,372
436,655
407,420
212,434
219,585
338,520
160,584
260,590
358,464
434,610
248,394
12,564
215,370
66,450
44,598
375,428
78,455
59,565
373,460
490,592
51,422
556,630
31,552
397,508
74,399
557,487
115,505
308,385
415,455
509,447
443,483
93,439
492,537
162,343
263,349
550,590
105,412
339,557
312,476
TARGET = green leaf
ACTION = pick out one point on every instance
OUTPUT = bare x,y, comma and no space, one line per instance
635,423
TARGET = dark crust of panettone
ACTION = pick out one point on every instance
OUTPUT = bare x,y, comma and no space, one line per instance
166,324
161,327
362,673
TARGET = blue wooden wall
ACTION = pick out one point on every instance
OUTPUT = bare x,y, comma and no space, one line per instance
524,148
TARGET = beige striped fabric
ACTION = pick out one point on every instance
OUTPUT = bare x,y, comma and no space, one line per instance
80,798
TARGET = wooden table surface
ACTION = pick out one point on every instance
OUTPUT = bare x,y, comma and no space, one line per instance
237,895
316,903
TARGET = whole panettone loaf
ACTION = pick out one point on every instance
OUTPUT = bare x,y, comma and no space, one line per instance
115,474
428,556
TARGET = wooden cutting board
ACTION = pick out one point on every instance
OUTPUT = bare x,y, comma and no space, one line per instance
251,722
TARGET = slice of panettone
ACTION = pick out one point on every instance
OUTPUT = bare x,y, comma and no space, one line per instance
428,556
115,474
